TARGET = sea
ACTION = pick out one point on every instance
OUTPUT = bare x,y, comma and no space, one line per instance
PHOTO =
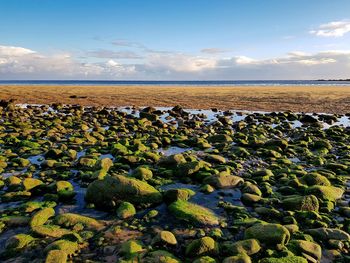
179,82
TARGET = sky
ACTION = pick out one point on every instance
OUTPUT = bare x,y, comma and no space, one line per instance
174,39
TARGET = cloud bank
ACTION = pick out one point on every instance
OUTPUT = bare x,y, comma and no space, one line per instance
23,63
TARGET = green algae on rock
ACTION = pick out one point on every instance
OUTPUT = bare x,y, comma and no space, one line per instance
193,213
201,247
40,217
269,234
119,187
70,219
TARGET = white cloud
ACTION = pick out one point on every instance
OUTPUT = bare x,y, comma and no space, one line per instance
213,50
14,51
22,63
332,29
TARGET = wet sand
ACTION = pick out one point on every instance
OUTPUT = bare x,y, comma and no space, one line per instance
328,99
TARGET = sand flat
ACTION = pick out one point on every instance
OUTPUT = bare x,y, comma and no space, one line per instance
330,99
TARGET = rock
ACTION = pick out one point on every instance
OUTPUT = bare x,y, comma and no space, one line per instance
173,195
172,160
248,246
240,258
215,158
326,192
201,247
186,169
19,241
262,175
315,179
160,256
142,173
131,248
56,256
223,180
205,259
250,199
219,138
119,187
325,234
269,234
193,213
30,183
50,231
303,203
70,219
148,116
126,210
64,245
87,163
308,119
13,181
40,217
165,237
288,259
250,188
306,249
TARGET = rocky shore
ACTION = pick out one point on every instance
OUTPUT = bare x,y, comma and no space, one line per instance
103,184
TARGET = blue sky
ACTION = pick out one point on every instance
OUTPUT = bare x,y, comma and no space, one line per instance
193,39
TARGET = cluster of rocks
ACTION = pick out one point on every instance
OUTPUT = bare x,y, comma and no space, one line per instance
92,184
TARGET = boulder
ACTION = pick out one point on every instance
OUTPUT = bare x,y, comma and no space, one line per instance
40,217
193,213
201,247
269,234
121,188
223,180
303,203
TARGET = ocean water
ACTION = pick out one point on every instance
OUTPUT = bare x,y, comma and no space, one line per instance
178,83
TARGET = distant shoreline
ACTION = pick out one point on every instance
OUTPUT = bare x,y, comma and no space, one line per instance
207,83
321,99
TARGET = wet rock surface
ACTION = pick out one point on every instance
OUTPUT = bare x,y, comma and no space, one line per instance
97,184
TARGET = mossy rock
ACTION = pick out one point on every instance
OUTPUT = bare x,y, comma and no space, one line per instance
172,160
56,256
126,210
142,173
215,158
202,246
189,168
325,234
16,196
87,163
309,250
40,217
315,179
64,245
288,259
326,192
70,220
50,231
240,258
160,256
13,181
219,138
193,213
31,183
131,248
18,242
205,259
119,187
14,221
269,234
247,246
165,238
173,195
303,203
64,185
223,180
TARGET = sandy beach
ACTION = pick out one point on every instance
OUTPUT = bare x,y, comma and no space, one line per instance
329,99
